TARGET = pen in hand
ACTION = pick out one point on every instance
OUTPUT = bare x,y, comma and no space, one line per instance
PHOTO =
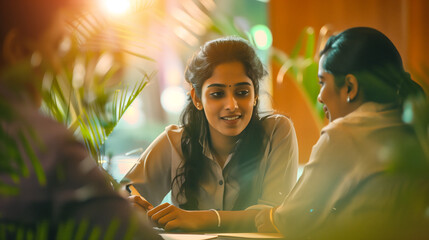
138,200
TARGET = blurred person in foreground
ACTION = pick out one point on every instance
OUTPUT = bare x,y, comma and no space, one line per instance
50,186
367,177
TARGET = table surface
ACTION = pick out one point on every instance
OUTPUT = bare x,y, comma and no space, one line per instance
224,236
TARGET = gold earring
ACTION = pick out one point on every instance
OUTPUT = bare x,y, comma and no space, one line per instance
198,106
254,103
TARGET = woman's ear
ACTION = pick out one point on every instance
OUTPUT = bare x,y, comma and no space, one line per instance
196,100
255,101
352,87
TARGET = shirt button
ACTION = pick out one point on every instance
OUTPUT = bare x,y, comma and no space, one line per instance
220,182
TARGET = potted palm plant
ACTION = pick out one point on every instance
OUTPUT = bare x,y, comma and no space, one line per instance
88,94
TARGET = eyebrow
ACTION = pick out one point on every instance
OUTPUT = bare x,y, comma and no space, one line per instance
223,85
320,76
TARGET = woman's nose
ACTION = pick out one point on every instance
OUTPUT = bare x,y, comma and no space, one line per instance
231,103
319,98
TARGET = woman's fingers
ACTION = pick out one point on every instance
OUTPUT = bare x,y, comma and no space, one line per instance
172,225
171,218
167,218
164,214
140,201
160,211
157,209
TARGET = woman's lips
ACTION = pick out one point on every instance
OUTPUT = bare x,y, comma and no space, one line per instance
231,117
325,109
231,120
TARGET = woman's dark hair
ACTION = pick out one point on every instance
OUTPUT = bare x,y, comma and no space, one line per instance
196,129
374,60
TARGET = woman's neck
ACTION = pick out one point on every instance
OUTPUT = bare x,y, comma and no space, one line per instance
222,146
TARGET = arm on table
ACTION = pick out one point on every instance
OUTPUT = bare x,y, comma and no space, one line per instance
171,218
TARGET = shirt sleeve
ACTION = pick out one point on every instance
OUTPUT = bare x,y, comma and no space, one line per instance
322,182
151,175
280,167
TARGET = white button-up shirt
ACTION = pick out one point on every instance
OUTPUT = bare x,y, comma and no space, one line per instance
158,165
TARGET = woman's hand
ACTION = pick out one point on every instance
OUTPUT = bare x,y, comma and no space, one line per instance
171,218
263,223
140,202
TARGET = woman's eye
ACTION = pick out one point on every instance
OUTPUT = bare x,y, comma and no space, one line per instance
243,92
320,83
216,94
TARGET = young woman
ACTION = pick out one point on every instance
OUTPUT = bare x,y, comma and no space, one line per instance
223,156
348,189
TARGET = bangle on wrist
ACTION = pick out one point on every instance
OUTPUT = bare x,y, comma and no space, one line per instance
272,220
218,217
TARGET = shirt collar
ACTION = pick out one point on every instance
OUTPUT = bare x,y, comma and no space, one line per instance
208,153
365,110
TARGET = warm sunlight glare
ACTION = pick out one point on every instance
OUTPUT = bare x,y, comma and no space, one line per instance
116,7
186,36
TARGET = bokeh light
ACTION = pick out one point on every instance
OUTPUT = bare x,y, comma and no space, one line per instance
133,115
173,99
262,36
78,74
104,64
407,113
